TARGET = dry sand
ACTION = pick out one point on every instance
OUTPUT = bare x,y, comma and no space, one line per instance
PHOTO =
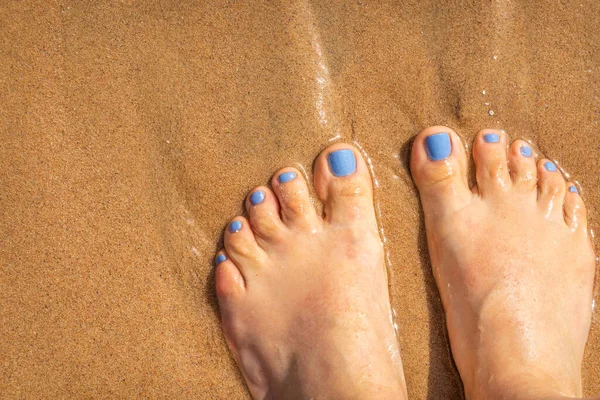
131,132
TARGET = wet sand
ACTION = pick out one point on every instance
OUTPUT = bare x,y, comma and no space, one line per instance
131,133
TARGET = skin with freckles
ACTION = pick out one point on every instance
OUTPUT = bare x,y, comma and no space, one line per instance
304,298
513,263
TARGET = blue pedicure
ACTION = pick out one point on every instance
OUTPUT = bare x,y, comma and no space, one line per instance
220,258
438,146
526,151
573,189
235,226
342,162
550,166
491,138
286,177
257,197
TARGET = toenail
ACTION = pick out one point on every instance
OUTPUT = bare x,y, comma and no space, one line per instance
573,189
286,177
550,166
220,258
235,226
257,197
438,146
526,151
342,162
491,138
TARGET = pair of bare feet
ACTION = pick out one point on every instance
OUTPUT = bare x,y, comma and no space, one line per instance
304,298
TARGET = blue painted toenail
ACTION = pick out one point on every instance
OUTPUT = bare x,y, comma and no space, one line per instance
342,162
573,189
550,166
491,138
257,197
526,151
438,146
286,177
220,258
235,226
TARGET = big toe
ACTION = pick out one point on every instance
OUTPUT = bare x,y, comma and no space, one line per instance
438,165
343,184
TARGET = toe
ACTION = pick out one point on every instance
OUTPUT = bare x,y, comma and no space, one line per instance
292,192
438,166
491,166
551,189
521,163
241,247
263,214
228,279
343,184
574,209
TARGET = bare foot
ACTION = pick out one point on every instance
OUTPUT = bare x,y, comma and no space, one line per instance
304,299
513,263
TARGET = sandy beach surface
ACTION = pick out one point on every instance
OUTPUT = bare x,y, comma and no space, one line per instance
132,130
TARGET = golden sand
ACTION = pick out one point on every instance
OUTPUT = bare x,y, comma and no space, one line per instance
131,132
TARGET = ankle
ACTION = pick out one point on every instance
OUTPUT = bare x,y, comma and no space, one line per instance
337,389
334,381
524,384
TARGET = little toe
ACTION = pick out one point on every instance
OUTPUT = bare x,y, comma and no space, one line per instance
438,165
574,209
241,246
343,184
551,189
263,214
491,165
228,279
521,163
291,190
